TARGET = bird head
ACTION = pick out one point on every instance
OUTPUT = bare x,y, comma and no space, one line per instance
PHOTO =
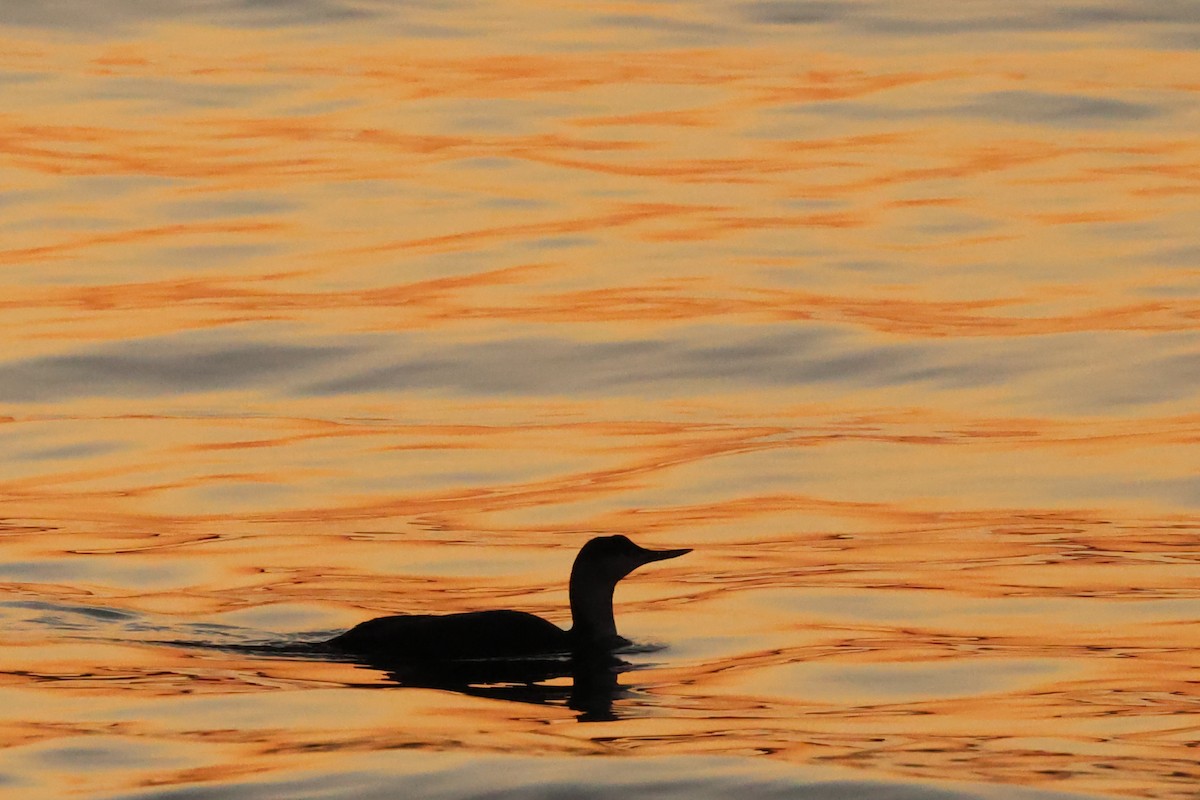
610,558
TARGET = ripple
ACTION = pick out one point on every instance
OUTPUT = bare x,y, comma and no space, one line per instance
501,779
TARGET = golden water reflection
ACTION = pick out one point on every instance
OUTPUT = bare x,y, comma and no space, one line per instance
890,314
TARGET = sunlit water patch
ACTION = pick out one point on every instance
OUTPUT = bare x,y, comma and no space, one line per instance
315,311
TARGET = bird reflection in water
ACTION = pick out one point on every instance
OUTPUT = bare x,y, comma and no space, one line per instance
592,688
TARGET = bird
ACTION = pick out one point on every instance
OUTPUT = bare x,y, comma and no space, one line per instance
507,634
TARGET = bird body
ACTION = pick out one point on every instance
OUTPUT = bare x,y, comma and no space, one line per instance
473,634
513,634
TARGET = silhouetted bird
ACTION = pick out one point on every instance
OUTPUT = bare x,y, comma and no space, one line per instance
514,634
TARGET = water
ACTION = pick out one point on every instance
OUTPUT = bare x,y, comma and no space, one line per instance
318,310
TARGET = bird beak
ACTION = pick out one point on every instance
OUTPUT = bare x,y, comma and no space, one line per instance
662,555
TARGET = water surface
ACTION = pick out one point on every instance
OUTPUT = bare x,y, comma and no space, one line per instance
317,310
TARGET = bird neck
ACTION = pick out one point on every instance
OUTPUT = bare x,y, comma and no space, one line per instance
592,610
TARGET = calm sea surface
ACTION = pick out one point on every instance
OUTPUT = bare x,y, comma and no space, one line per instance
317,310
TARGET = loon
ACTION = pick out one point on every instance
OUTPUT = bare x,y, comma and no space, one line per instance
513,634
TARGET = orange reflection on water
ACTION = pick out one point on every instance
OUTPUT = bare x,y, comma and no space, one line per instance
896,338
876,173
